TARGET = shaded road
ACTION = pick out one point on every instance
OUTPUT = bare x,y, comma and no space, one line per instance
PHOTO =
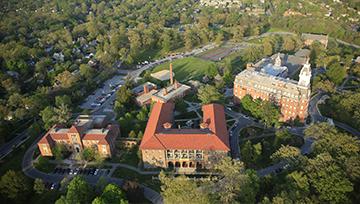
14,143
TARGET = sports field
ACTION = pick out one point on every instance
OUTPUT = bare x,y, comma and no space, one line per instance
216,54
188,68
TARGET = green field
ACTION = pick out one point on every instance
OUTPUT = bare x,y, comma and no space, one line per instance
188,68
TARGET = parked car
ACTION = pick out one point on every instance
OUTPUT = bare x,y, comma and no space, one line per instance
96,172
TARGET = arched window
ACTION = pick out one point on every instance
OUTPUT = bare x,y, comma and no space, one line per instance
170,165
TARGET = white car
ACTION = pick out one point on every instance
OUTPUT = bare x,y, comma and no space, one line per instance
96,172
95,104
102,100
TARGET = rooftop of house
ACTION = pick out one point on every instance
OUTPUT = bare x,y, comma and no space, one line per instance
212,135
140,88
145,96
162,75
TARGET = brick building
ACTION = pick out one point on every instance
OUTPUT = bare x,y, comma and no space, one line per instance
185,149
173,91
86,132
291,96
309,39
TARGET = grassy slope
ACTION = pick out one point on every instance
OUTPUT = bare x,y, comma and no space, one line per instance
187,68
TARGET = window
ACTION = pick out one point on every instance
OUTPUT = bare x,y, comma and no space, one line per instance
104,149
169,154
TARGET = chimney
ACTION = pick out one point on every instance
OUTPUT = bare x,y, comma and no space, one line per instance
204,125
167,125
171,74
146,89
177,85
165,91
249,66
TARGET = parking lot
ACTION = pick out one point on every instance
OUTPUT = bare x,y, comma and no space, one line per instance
103,93
82,171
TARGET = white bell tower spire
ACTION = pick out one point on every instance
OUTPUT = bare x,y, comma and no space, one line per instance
305,74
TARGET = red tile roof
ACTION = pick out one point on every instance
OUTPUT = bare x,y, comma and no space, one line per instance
214,138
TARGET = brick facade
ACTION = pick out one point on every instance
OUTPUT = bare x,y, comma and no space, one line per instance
184,149
291,96
82,134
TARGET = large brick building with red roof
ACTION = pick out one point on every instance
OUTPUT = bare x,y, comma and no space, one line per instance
86,132
167,147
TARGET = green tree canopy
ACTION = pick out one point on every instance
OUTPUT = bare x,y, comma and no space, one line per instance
15,186
208,94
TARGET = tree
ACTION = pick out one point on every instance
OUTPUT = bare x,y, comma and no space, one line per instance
219,38
270,114
251,54
132,134
297,185
62,100
268,46
181,190
134,191
59,151
65,79
39,186
235,184
289,44
336,73
208,94
328,179
111,194
86,71
124,96
78,191
282,136
288,154
15,186
63,114
248,154
88,154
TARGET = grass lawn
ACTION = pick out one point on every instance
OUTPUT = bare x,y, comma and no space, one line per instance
187,115
188,68
143,179
43,164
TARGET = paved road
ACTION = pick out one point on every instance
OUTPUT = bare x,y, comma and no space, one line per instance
14,143
316,115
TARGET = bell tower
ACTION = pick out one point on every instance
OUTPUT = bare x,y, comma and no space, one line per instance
305,74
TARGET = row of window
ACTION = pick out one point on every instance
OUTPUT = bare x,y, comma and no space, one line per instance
184,154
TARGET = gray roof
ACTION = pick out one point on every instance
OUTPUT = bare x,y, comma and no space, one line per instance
172,92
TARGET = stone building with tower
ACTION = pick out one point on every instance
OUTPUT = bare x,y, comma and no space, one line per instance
268,82
86,132
185,149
